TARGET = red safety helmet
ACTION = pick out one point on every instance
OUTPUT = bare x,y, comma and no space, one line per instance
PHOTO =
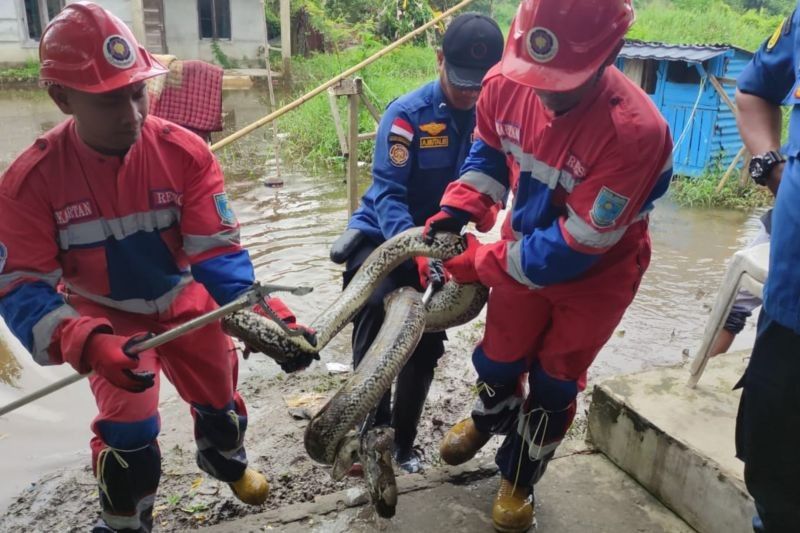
88,49
557,45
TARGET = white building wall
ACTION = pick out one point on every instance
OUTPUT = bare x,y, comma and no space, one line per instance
183,30
16,47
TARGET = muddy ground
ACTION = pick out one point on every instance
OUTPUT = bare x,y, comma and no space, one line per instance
278,407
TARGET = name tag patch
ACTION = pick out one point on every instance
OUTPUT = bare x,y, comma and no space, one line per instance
434,142
165,198
75,212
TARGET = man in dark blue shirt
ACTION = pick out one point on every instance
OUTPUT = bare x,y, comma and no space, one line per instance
423,139
768,426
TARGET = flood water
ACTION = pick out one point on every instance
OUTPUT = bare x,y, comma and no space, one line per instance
288,232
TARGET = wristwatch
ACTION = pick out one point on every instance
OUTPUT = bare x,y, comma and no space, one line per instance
761,166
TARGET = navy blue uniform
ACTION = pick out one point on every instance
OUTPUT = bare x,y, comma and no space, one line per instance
419,150
768,428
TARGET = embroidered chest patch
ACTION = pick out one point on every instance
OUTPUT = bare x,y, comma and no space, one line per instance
607,208
74,212
224,210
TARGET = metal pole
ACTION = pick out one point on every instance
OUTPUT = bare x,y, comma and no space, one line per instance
349,72
249,299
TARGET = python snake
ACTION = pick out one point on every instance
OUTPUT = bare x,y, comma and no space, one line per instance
330,438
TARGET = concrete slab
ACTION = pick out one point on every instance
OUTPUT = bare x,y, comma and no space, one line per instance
581,492
679,442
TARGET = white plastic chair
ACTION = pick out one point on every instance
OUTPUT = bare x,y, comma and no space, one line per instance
747,270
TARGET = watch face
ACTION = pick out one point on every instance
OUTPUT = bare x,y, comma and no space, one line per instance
756,168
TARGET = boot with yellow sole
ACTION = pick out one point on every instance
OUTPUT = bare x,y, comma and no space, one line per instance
513,511
462,442
252,488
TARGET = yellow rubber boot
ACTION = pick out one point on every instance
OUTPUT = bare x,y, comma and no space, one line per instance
252,488
513,509
462,442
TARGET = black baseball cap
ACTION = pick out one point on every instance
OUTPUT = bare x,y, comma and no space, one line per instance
473,43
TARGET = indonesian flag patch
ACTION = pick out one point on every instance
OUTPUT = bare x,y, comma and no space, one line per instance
403,129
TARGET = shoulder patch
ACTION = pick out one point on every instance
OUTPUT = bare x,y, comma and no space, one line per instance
433,128
608,207
776,36
15,175
3,256
224,210
398,154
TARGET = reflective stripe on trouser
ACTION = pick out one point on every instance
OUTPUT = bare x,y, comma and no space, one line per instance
414,380
553,334
127,483
202,365
220,440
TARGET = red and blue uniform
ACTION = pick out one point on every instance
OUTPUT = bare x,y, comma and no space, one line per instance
574,247
768,427
95,243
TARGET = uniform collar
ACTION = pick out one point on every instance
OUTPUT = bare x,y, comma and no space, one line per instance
87,153
441,109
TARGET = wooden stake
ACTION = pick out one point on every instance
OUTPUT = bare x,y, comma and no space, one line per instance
352,156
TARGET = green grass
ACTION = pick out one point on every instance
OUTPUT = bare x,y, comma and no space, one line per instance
313,139
702,21
702,192
27,73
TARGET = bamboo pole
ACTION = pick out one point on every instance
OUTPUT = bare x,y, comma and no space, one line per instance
725,98
731,168
349,72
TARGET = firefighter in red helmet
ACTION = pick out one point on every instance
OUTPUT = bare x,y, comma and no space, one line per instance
585,153
115,223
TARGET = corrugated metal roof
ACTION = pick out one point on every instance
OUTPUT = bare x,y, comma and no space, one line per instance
693,53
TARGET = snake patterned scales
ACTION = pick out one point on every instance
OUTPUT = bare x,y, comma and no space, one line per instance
406,320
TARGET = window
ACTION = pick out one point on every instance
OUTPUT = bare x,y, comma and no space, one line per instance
683,72
215,19
38,13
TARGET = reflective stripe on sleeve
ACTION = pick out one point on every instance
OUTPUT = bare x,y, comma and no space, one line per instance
8,280
539,170
44,329
197,244
485,184
514,267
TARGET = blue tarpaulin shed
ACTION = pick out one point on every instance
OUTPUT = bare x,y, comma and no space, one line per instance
681,81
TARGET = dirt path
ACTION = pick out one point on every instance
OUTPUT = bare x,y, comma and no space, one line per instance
187,498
